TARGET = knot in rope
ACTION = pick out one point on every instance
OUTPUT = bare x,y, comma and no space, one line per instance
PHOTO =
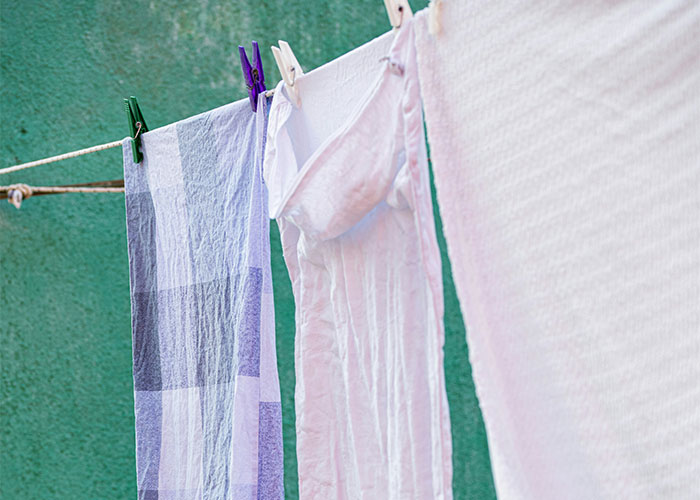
16,193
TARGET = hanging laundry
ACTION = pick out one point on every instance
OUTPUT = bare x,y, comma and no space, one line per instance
208,414
564,138
349,187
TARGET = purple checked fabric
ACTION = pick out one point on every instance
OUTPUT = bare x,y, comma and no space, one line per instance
206,391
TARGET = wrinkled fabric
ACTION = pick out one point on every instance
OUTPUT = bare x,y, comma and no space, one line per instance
207,403
349,186
565,140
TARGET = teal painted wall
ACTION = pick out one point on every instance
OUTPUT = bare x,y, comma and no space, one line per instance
66,404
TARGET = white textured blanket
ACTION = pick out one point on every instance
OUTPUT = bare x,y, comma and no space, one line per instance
565,138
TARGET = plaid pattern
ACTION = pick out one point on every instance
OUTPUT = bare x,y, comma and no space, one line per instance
207,404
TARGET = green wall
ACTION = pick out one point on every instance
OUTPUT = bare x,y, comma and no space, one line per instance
66,404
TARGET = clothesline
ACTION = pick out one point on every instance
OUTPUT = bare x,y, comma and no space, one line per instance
73,154
16,193
64,156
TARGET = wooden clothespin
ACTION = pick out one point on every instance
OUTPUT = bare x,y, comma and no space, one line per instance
137,126
289,68
435,17
399,11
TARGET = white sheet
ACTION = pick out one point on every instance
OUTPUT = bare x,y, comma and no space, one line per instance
565,138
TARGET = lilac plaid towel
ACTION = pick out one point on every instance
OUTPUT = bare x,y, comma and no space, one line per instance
208,414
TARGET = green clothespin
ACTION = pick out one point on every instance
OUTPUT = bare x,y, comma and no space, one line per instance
137,126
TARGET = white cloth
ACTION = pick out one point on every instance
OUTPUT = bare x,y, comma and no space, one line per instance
565,139
348,181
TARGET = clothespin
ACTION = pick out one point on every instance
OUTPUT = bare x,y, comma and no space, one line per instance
254,76
398,11
289,68
137,126
434,17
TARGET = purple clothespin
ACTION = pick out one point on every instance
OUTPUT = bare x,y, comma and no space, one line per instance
254,76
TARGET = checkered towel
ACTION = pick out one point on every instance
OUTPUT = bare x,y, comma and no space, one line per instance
208,414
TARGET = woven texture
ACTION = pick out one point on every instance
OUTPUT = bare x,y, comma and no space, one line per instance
208,415
565,143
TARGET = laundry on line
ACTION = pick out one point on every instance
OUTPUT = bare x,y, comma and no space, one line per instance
567,183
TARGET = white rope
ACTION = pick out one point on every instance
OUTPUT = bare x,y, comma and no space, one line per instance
65,156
